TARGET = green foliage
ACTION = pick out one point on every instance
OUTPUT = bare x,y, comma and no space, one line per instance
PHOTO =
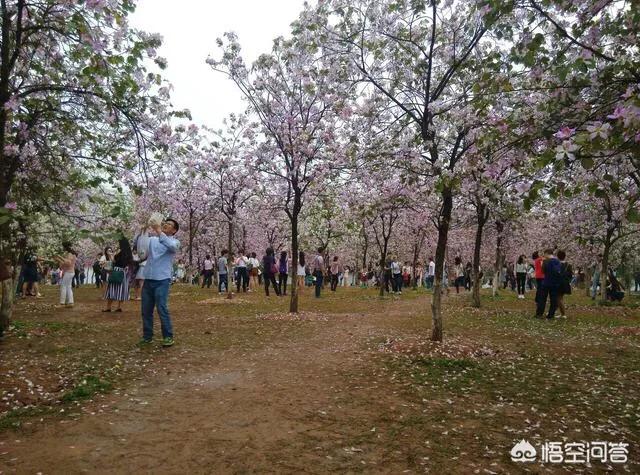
87,388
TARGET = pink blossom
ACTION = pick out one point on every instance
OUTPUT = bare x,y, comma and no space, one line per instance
566,150
13,104
484,10
11,149
11,205
617,113
598,129
564,133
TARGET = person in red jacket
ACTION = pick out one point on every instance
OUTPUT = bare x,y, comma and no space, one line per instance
538,274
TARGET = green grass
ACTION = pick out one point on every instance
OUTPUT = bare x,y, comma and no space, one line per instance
86,389
15,418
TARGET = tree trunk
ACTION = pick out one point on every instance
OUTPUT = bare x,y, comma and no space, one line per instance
414,282
441,247
604,272
192,233
499,257
475,274
383,260
366,248
297,204
6,307
230,260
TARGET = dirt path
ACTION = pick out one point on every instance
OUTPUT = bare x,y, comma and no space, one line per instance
286,407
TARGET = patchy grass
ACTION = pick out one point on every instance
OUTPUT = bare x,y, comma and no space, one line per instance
14,418
391,399
86,389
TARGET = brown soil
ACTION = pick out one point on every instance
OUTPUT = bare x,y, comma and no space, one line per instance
284,404
247,388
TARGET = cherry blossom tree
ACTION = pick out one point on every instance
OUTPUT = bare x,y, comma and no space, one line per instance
296,94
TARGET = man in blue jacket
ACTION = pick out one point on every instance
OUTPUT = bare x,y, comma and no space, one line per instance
550,285
158,272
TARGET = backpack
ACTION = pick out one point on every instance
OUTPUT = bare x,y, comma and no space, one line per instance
553,275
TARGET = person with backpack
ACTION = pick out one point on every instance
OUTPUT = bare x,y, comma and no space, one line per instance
550,287
565,286
118,280
270,271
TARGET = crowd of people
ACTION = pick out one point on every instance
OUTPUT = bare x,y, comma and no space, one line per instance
143,269
147,267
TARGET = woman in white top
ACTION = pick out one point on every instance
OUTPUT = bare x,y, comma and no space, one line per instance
252,268
521,275
242,263
301,272
346,277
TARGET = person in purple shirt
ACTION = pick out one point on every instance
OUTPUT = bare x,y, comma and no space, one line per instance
158,272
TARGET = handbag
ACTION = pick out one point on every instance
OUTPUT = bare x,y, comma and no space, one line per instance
274,269
116,277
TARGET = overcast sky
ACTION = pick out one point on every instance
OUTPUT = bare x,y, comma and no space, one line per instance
190,28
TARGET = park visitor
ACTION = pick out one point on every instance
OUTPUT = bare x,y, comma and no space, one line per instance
270,271
302,271
521,275
67,262
566,275
222,272
207,271
538,273
458,271
242,274
118,280
158,272
550,285
318,271
335,269
253,269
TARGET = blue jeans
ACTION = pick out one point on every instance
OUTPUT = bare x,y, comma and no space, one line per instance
319,279
155,294
595,282
222,280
